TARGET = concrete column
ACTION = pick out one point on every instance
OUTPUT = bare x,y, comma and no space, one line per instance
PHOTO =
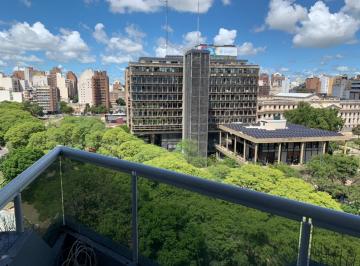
302,153
279,153
220,138
244,152
227,140
235,145
345,147
256,152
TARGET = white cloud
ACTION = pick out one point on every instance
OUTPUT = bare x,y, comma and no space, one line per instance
352,6
172,49
71,47
226,2
167,28
22,38
147,6
2,63
247,48
328,58
225,37
112,59
324,29
259,28
342,68
120,48
193,38
27,3
285,15
99,33
284,69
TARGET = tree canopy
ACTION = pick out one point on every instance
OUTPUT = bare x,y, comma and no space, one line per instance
321,118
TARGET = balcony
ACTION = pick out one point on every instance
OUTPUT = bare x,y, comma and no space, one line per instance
73,206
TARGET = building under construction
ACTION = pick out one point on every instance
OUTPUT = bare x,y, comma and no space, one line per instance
188,97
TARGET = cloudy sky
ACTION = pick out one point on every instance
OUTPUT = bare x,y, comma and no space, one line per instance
296,37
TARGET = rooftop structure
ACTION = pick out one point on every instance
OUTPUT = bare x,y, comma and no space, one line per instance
63,224
271,141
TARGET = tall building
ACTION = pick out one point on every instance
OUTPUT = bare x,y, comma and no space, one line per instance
48,98
279,84
57,80
72,85
93,88
100,86
196,99
264,84
155,102
313,85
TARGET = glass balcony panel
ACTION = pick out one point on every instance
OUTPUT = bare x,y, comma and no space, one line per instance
177,227
7,228
41,203
332,249
97,201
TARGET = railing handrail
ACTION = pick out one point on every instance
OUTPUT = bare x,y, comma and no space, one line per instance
322,217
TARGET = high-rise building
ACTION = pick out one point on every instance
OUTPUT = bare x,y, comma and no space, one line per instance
196,99
93,87
264,84
100,86
48,98
313,85
341,85
57,80
71,83
154,93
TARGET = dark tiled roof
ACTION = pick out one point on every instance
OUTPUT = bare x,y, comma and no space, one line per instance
292,131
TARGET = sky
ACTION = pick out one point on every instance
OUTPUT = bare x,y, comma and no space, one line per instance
298,38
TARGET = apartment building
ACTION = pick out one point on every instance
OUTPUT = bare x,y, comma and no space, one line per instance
93,88
276,106
48,98
160,95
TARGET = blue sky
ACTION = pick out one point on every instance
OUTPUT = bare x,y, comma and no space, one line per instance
297,38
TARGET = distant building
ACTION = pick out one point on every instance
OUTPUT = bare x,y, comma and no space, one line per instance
354,90
19,74
9,83
93,87
313,85
279,84
264,85
8,95
48,98
340,86
40,80
72,85
57,80
275,107
274,141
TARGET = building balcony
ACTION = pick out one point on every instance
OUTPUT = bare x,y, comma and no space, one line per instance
73,206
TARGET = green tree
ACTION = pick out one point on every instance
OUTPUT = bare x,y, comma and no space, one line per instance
121,102
18,135
321,118
17,161
65,108
189,148
34,108
356,131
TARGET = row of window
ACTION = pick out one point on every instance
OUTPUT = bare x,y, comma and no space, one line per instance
157,121
232,89
227,70
156,80
157,105
157,89
233,81
157,97
152,69
215,97
233,105
168,113
232,113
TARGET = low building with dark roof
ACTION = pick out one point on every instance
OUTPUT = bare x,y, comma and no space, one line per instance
274,141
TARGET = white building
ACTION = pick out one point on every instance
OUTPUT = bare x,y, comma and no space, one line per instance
39,80
12,96
9,83
325,84
85,89
61,85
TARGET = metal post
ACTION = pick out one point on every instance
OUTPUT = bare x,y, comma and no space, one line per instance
227,140
305,242
235,145
134,220
256,152
244,150
19,220
279,153
220,139
302,152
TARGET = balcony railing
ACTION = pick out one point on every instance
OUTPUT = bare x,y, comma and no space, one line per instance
152,212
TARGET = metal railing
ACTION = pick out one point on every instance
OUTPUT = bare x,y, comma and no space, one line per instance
308,215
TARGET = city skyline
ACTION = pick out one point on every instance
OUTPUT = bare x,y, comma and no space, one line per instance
296,38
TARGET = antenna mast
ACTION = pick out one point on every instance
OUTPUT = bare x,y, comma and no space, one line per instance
167,27
198,21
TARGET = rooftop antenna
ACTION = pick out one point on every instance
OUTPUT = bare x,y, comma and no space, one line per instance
198,21
166,26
